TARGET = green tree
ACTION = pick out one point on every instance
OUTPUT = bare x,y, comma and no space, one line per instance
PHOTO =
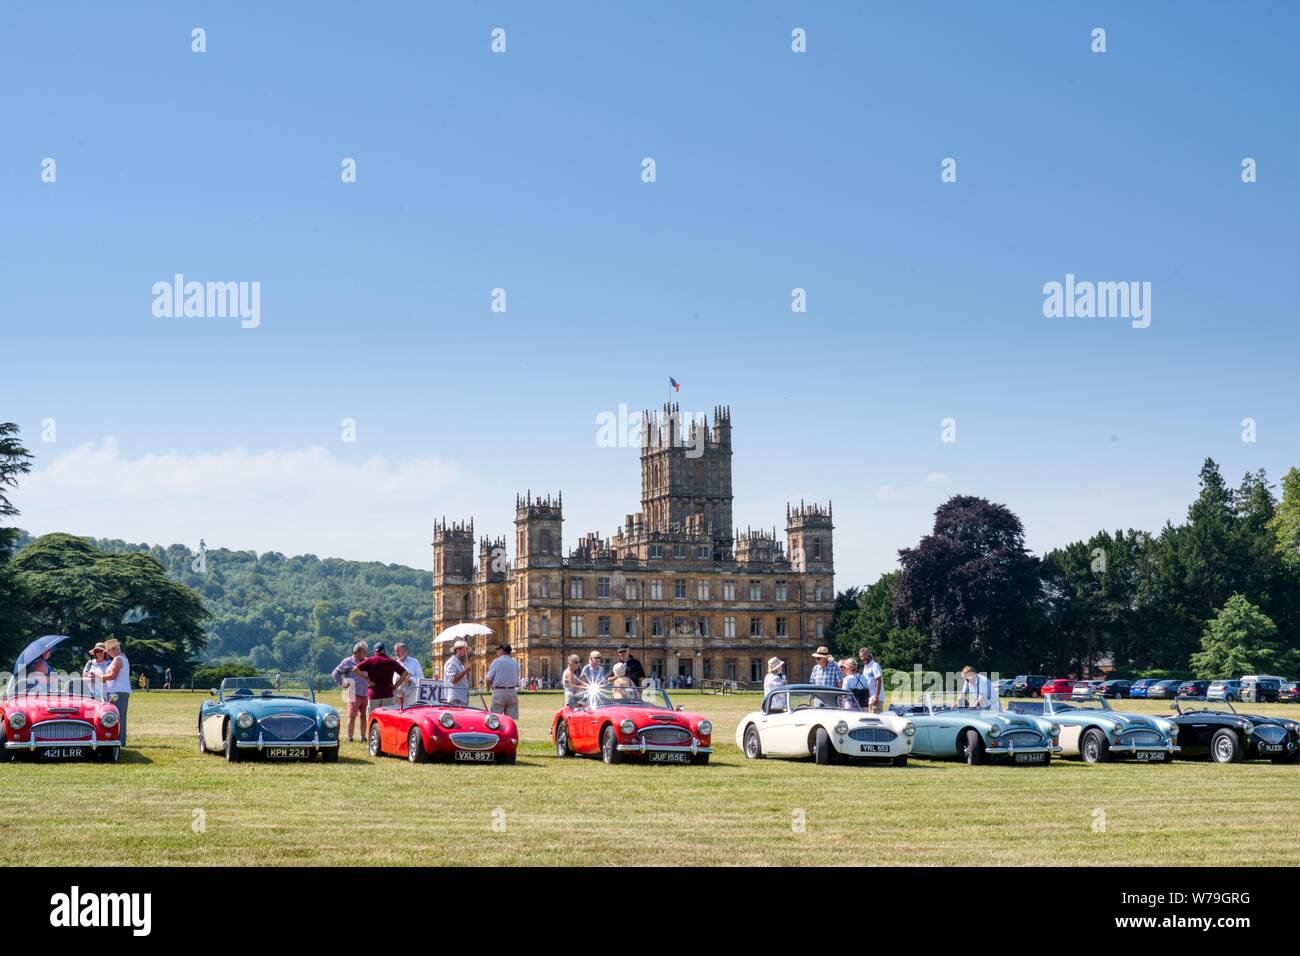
1285,522
15,622
1238,640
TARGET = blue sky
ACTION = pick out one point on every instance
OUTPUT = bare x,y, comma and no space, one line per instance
522,170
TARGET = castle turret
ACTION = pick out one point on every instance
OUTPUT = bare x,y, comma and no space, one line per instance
538,526
808,530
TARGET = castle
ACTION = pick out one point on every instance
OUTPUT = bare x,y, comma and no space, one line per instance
691,596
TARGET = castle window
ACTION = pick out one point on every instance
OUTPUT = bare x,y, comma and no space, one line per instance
702,625
820,629
575,588
679,624
602,625
817,549
656,590
657,627
679,587
730,665
702,590
782,591
575,626
544,587
546,625
656,550
629,627
602,587
679,551
755,670
728,590
755,591
755,627
728,627
630,589
817,591
780,627
546,541
704,552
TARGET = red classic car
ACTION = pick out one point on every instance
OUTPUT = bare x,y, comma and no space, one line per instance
621,722
57,717
437,727
1062,687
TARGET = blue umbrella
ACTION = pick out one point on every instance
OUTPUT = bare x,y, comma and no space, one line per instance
37,649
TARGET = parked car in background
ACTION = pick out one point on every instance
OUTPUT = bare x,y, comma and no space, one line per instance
1290,693
1229,690
1003,688
1115,688
1027,685
1193,688
1061,686
1083,689
1163,690
1261,688
1138,688
1214,729
828,725
1093,732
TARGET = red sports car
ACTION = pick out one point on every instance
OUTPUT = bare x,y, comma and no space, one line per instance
622,722
435,727
1060,686
57,717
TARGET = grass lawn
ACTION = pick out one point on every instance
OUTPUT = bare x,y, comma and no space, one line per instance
147,809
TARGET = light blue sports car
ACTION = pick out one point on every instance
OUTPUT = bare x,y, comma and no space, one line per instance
957,730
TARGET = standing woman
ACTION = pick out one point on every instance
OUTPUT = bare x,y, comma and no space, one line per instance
117,680
569,680
95,668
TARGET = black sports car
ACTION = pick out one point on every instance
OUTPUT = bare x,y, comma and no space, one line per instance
1214,729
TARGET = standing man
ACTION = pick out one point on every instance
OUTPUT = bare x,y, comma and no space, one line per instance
455,674
412,666
976,687
384,675
503,679
633,671
825,672
354,685
117,680
594,672
167,679
870,668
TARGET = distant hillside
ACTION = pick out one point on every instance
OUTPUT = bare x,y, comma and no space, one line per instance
301,613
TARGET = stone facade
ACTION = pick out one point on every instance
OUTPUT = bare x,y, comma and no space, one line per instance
692,596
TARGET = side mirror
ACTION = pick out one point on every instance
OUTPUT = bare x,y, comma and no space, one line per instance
681,706
212,691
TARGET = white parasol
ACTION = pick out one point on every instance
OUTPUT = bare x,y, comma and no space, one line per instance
461,630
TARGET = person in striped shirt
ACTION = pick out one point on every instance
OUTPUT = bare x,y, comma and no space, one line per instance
826,672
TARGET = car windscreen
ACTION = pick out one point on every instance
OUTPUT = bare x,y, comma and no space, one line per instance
51,685
829,698
247,688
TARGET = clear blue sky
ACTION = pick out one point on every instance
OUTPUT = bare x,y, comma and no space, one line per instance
522,171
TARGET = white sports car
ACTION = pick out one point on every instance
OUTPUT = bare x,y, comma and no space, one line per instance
808,720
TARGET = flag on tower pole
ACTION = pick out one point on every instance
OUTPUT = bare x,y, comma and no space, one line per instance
676,385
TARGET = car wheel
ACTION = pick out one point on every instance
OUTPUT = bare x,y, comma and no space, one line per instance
203,748
562,748
1231,699
1094,748
506,758
823,752
109,755
415,751
232,752
609,751
375,745
1225,747
899,761
753,746
973,749
701,760
329,755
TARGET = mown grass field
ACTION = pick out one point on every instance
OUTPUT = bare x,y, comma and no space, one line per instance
543,810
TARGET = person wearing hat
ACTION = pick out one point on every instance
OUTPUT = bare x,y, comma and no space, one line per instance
455,674
95,669
117,683
384,675
825,672
634,671
503,679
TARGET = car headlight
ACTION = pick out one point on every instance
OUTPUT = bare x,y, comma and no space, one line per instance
705,729
626,727
493,722
995,731
842,728
910,730
446,720
1173,731
1055,730
17,720
331,720
244,720
108,719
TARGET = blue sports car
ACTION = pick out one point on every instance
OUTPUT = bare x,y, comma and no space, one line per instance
275,717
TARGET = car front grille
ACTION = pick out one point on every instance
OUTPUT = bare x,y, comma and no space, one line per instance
286,726
666,735
1023,738
1142,738
1271,733
873,735
63,730
468,740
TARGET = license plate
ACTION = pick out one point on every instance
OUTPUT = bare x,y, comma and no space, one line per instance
1031,758
1270,748
62,753
476,756
873,748
1150,756
287,753
663,756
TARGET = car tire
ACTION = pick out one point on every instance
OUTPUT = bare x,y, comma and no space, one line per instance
203,748
415,751
1231,699
329,755
609,751
374,740
1094,747
1225,747
232,751
823,752
899,761
506,758
109,754
562,746
753,746
973,749
700,760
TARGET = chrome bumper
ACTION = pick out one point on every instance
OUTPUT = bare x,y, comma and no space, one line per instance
644,748
1012,751
33,744
1144,748
260,743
